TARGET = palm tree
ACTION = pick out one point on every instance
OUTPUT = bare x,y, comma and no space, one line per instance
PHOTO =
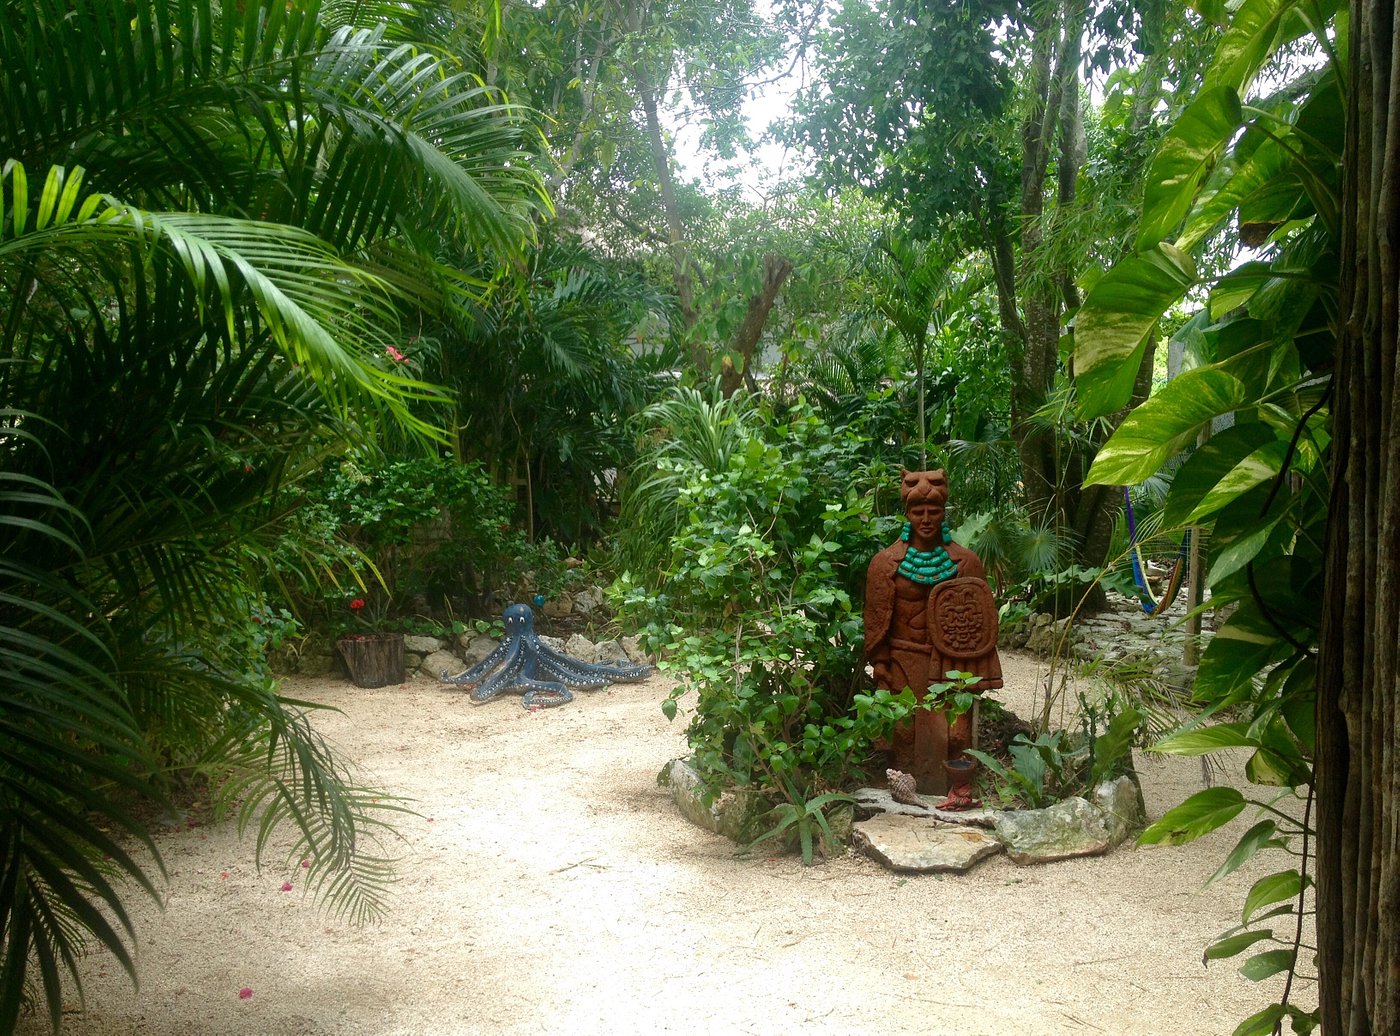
208,219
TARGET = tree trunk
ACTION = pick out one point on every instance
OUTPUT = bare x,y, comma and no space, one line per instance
1358,682
745,344
675,228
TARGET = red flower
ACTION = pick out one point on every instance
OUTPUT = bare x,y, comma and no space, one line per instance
394,354
357,604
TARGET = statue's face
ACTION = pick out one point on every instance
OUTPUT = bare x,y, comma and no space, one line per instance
926,523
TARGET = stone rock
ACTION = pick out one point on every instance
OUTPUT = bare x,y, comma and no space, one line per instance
421,645
588,601
611,652
922,846
559,607
412,660
582,648
737,815
439,662
474,647
315,663
554,643
874,801
1122,805
633,647
1074,827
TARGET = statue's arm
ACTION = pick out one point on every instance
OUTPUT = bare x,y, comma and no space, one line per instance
879,609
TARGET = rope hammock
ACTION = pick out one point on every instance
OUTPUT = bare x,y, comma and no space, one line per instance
1151,603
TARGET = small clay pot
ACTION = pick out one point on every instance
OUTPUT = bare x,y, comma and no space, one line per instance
960,771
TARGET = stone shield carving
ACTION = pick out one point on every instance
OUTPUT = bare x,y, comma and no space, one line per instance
962,618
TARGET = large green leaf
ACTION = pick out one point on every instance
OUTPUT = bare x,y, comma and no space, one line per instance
1257,30
1263,181
1273,888
1204,740
1262,835
1204,469
1201,814
1263,465
1184,159
1161,427
1240,649
1113,326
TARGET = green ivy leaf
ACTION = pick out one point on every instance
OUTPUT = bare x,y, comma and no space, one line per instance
1205,468
1184,158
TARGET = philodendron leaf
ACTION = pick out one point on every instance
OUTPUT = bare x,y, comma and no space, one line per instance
1205,468
1201,814
1258,28
1159,429
1233,944
1183,160
1113,326
1263,965
1274,888
1262,1023
1240,649
1260,836
1204,740
1263,465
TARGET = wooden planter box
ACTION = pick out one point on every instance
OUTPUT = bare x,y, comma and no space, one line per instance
373,659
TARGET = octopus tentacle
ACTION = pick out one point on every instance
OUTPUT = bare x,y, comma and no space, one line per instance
500,656
603,673
504,680
544,694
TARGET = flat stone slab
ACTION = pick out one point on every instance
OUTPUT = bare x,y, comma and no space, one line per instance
872,802
921,845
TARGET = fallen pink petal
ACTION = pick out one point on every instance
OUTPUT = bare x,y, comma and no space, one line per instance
305,864
245,993
286,886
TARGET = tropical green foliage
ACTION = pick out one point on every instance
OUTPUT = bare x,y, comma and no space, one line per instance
203,253
1261,350
546,373
756,616
428,534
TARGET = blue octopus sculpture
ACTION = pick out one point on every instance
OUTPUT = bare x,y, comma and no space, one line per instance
547,677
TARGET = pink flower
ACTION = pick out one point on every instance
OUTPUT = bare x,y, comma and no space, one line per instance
246,993
305,864
286,886
395,355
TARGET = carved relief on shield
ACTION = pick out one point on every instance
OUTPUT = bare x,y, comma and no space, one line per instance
962,618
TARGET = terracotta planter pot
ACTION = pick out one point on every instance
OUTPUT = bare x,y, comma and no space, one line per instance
373,659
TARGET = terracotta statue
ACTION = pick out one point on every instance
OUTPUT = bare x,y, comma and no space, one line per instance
929,611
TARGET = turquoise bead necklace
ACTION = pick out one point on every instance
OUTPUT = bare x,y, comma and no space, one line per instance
927,566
